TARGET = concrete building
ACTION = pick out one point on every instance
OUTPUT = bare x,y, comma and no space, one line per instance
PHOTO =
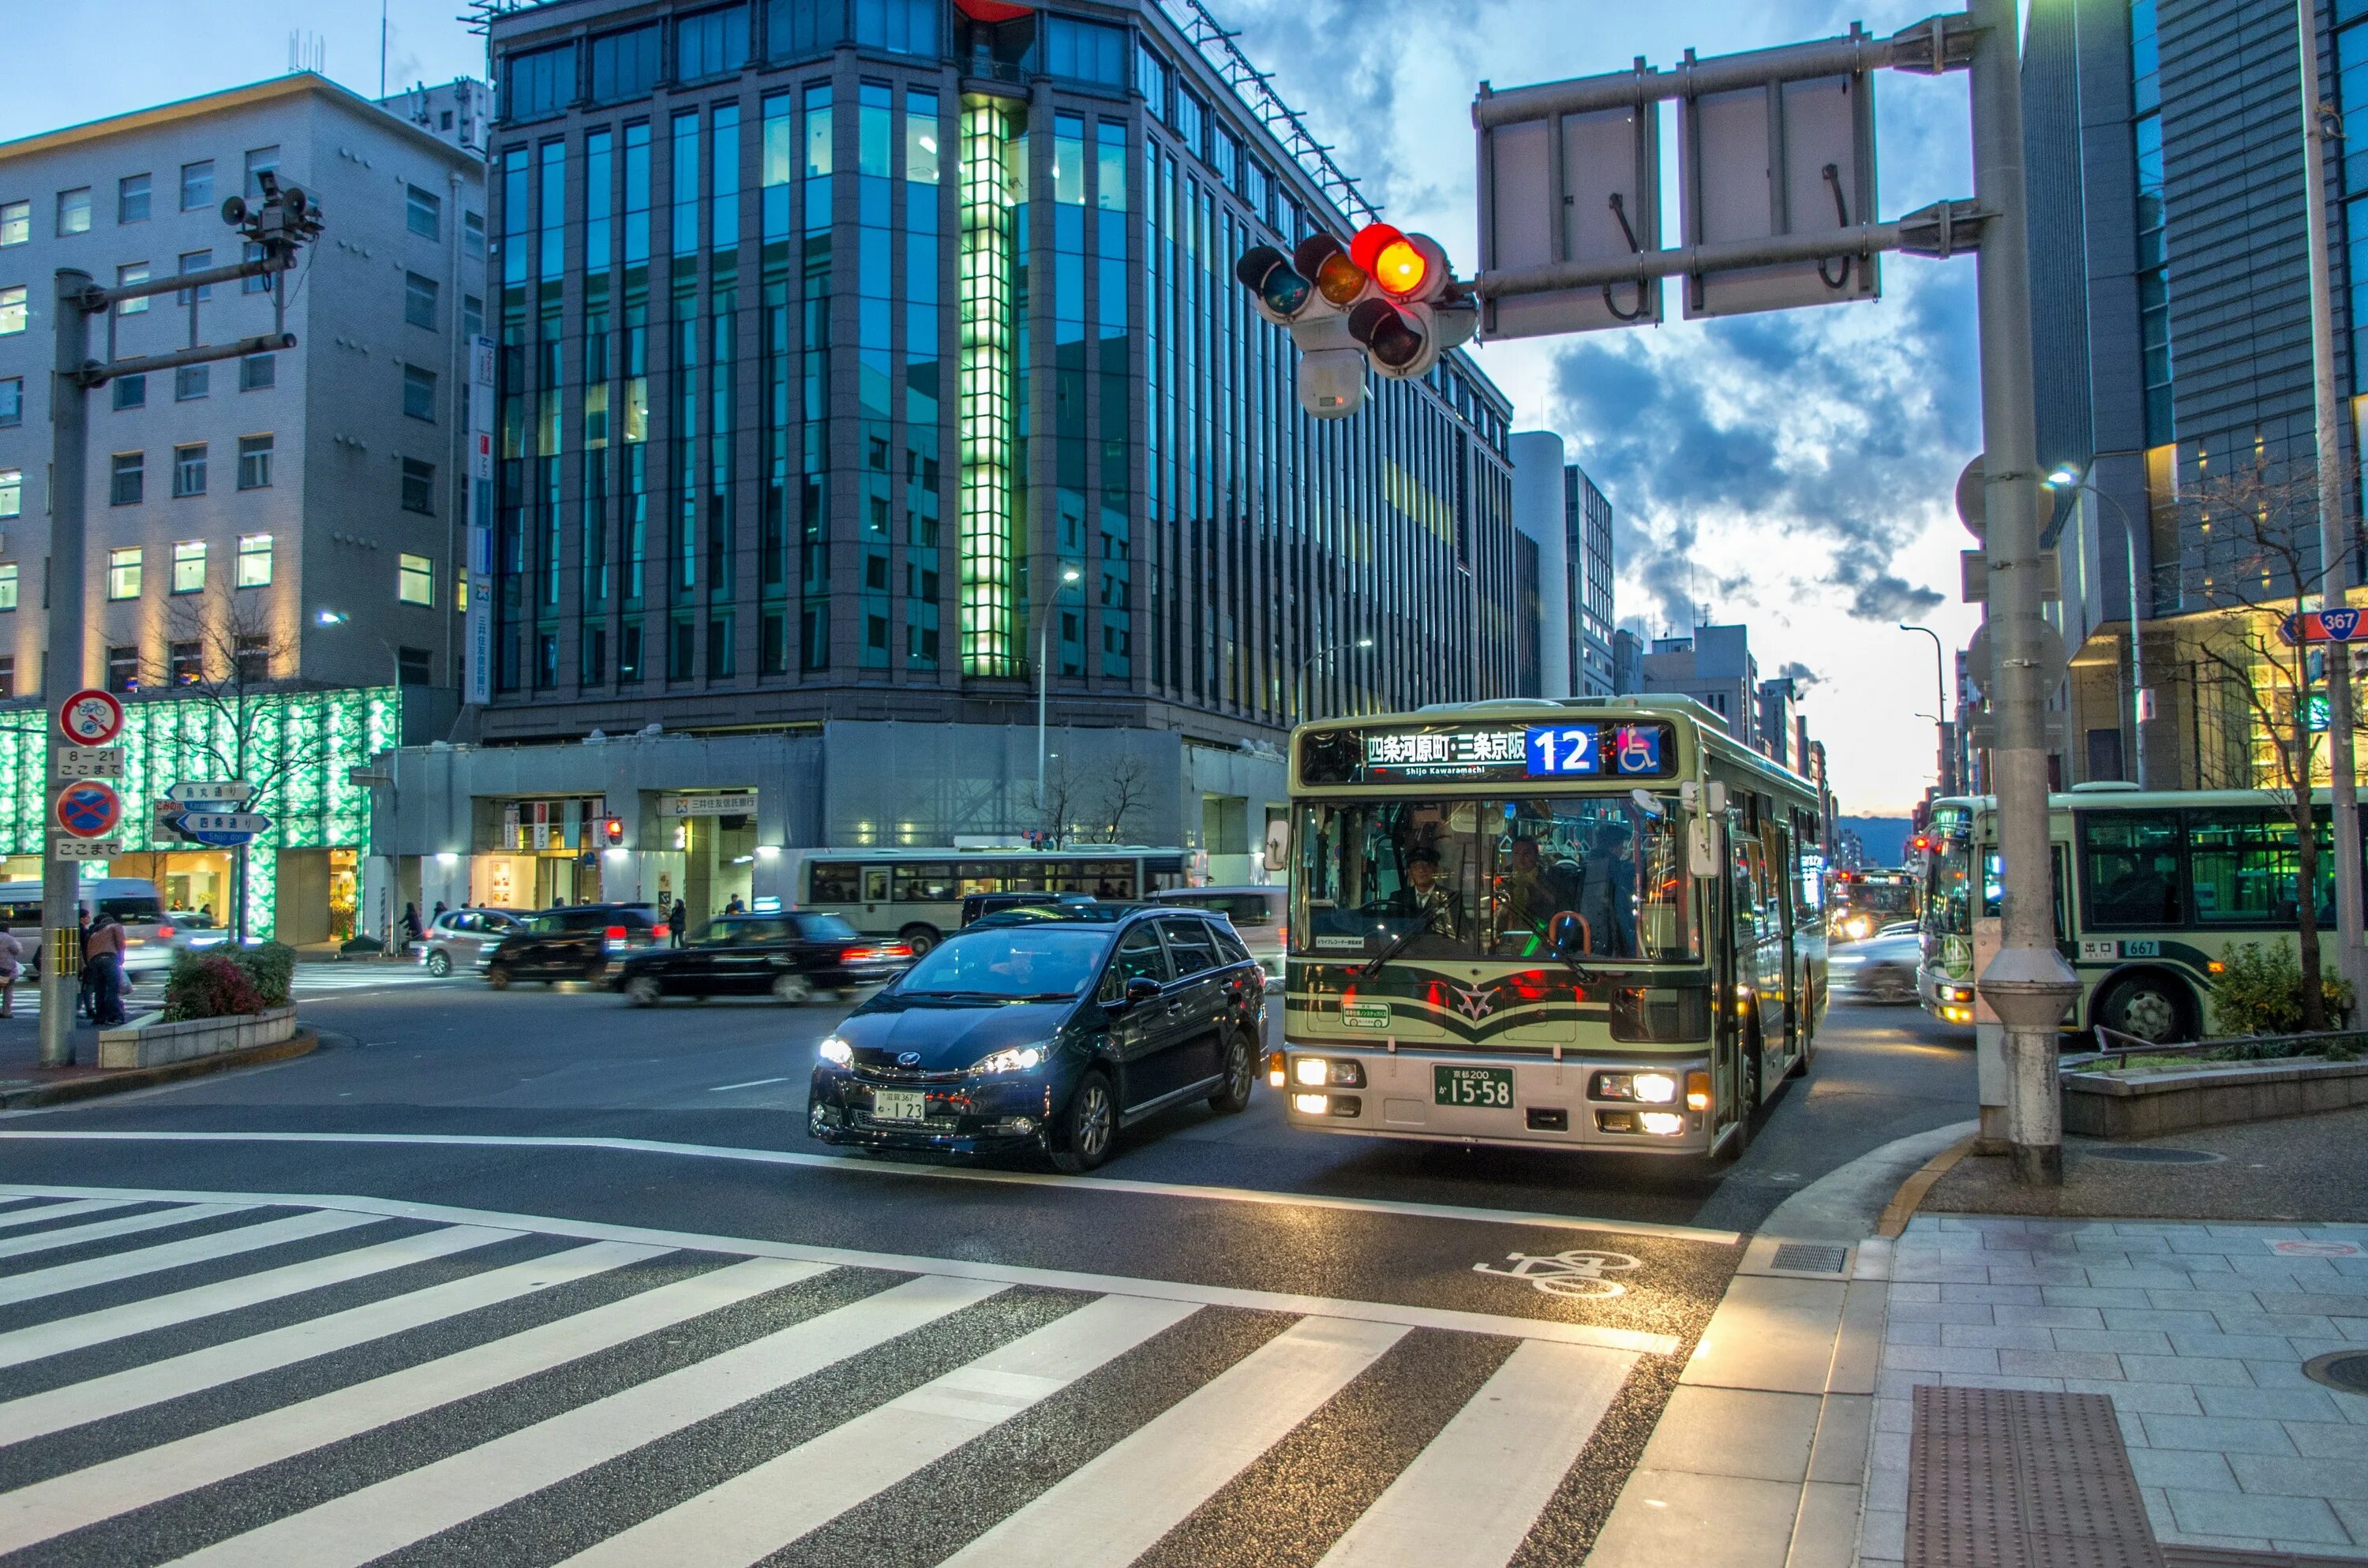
1627,662
1587,516
1778,726
1541,516
287,524
2170,303
859,366
1715,667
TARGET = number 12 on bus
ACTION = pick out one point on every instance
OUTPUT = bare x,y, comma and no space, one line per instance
1573,750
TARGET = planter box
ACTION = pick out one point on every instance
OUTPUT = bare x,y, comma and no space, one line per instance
2144,1105
148,1041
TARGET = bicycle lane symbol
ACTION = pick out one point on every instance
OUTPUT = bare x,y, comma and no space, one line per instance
1579,1272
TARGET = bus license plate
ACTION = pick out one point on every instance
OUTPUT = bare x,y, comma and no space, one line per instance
899,1105
1491,1086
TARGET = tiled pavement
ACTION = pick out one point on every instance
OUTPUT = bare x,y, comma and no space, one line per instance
2198,1333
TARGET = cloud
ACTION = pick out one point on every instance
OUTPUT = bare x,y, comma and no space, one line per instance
1804,679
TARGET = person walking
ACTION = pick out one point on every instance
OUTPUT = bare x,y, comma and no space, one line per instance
102,967
83,1004
440,910
12,963
675,917
411,930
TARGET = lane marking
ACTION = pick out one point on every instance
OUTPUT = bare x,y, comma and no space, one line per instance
751,1083
906,1263
859,1168
1574,1273
1117,1506
116,1267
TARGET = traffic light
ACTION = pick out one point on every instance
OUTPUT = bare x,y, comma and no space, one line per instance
612,829
1385,298
1414,311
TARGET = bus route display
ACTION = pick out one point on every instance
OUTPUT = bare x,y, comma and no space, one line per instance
1570,751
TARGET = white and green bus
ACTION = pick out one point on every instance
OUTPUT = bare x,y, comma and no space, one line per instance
1583,925
2152,889
916,893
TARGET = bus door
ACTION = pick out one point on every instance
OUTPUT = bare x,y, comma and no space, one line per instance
875,897
1759,950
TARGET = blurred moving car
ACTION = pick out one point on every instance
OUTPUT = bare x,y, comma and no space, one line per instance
977,905
195,928
1258,913
788,957
459,939
1881,969
149,936
1047,1030
576,941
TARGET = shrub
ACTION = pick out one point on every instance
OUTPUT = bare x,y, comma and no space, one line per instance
271,968
2259,990
208,986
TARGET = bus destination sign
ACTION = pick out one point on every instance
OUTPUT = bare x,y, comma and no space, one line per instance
1533,751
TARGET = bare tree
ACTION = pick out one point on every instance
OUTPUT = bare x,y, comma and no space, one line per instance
1054,802
1126,791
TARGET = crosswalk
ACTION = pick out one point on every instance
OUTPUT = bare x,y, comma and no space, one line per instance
263,1380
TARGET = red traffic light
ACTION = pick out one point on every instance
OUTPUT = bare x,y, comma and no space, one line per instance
613,830
1371,240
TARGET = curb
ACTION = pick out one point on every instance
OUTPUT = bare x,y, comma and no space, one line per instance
302,1043
1902,1207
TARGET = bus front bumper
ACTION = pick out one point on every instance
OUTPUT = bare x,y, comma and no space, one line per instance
1950,1001
1654,1105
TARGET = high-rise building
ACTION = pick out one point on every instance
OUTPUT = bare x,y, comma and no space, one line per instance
863,367
1540,517
1587,526
276,539
1715,667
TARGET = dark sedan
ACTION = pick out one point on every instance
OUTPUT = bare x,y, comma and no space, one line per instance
1046,1029
786,957
571,942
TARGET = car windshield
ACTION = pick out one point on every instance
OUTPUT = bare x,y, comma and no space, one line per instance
1009,962
1597,875
826,929
733,931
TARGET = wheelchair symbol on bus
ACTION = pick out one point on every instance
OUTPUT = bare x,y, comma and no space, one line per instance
1574,1273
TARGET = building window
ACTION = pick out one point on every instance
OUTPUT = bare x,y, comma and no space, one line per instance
195,261
415,580
192,381
625,65
900,27
419,301
189,470
414,666
7,675
473,235
190,566
419,393
131,391
186,662
257,371
1086,50
12,401
539,84
251,658
123,572
472,316
422,212
132,199
122,669
7,585
12,310
197,185
255,560
131,272
127,479
16,222
710,44
260,162
254,462
418,486
12,494
73,211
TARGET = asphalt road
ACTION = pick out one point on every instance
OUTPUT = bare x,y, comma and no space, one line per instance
511,1277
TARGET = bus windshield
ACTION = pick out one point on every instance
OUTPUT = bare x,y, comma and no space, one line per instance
1594,875
1948,897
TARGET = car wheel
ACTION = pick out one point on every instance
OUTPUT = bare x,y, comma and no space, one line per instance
1241,1073
643,991
1089,1126
2150,1006
439,964
920,938
497,977
792,990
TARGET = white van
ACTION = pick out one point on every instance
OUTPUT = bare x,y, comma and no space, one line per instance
148,942
1257,912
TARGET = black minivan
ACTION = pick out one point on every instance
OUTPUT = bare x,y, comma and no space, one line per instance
1046,1029
576,941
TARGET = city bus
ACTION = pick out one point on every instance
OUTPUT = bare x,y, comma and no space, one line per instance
2152,889
1860,903
1581,924
915,894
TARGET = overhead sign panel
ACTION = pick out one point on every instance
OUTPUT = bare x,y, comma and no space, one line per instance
1778,160
1561,187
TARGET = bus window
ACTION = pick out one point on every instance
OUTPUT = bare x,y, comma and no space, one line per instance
1106,879
931,882
875,884
834,881
2244,866
1599,857
1994,886
1372,874
2130,868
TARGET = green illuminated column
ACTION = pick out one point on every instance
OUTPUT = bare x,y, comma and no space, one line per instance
991,187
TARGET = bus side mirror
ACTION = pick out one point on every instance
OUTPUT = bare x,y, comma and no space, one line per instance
1701,848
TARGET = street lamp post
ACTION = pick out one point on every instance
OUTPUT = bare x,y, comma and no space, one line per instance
2066,479
1299,677
1940,701
1043,677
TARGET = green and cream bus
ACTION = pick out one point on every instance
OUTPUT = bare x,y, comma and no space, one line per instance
1582,925
2152,888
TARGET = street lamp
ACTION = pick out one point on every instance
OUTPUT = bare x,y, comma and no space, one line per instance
2066,478
1298,694
1940,702
1069,574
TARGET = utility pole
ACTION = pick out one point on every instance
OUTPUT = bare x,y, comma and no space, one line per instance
2334,531
2028,985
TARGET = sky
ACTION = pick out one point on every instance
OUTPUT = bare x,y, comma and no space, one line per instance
1791,470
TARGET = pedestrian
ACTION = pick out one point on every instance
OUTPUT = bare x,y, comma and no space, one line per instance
734,907
11,963
102,967
440,911
675,917
411,932
84,1004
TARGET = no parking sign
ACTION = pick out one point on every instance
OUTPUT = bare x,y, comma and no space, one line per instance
89,809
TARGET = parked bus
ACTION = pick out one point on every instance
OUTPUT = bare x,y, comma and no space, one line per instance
1580,924
2152,889
915,894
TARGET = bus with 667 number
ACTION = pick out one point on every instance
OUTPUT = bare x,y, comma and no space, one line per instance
1580,924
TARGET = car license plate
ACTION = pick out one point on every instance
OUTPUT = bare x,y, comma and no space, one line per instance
1490,1087
899,1105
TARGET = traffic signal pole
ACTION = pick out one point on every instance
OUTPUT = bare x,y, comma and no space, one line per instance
2028,985
69,458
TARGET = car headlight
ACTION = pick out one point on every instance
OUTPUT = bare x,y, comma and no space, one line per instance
836,1051
1015,1059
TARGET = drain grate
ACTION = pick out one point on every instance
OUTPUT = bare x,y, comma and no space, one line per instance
2156,1156
1806,1257
2344,1370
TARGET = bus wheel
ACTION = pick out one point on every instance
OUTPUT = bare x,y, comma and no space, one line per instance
920,938
2150,1006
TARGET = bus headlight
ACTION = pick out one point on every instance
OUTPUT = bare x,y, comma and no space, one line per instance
1312,1105
1647,1088
1661,1123
1317,1072
1312,1071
